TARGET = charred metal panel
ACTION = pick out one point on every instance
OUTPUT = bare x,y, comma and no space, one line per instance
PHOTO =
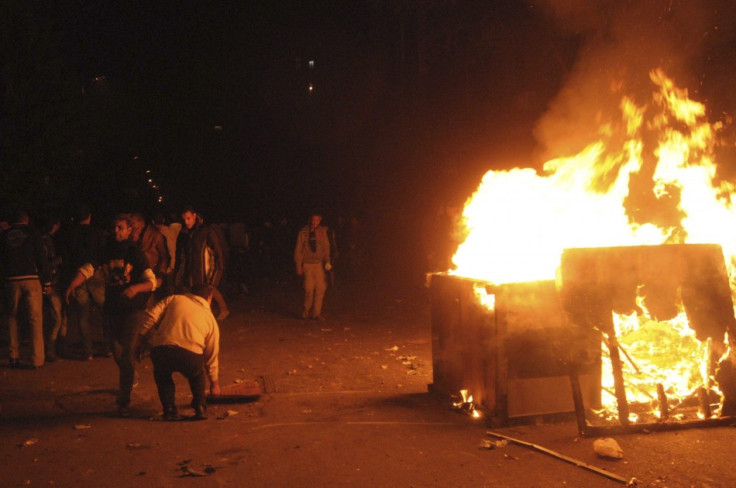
597,281
511,359
464,340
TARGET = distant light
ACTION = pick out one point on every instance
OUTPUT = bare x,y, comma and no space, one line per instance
218,127
148,171
99,78
160,199
310,88
135,158
150,180
311,64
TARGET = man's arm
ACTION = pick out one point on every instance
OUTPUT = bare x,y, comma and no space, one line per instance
153,316
83,274
211,357
214,242
148,284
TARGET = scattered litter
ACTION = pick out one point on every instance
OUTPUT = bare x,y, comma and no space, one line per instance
28,442
326,330
346,328
293,371
228,413
491,444
394,348
136,446
187,470
238,380
383,366
608,448
567,459
82,426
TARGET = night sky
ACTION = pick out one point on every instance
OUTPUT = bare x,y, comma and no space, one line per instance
410,101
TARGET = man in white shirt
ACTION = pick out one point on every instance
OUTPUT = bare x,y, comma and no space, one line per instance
184,338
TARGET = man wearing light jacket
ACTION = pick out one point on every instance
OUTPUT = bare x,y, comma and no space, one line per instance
312,257
184,337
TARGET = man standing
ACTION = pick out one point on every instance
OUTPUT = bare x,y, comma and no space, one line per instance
199,256
312,257
184,337
23,267
170,232
81,244
129,282
153,244
53,311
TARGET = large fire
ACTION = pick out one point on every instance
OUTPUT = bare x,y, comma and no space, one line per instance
519,221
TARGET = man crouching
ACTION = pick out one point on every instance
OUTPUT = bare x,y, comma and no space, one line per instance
184,337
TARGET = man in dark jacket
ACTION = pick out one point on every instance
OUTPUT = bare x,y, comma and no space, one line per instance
199,256
80,244
23,268
129,282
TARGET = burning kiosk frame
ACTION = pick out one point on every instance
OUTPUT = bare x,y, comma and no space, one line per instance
537,349
657,284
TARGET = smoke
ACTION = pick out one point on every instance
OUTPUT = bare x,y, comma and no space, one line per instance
621,41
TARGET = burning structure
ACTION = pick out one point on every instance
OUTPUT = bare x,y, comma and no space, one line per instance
599,285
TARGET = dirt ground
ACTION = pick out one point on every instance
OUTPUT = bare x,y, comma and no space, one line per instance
345,403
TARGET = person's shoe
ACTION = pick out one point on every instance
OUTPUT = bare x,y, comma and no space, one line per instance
170,415
123,412
200,412
319,318
305,315
223,315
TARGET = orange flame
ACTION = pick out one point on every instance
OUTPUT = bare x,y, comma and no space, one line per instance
518,221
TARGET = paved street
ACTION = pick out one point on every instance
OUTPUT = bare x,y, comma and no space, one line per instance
345,403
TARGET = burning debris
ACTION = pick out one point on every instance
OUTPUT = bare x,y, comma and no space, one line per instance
466,404
605,275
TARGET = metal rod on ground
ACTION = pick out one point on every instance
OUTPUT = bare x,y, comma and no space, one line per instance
664,412
568,459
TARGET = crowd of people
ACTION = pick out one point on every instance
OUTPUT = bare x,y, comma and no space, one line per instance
152,281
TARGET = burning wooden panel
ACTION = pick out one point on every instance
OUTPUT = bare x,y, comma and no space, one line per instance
664,312
511,357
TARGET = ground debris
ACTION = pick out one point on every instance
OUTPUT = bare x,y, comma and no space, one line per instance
82,426
187,470
137,446
28,442
227,414
490,444
608,448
